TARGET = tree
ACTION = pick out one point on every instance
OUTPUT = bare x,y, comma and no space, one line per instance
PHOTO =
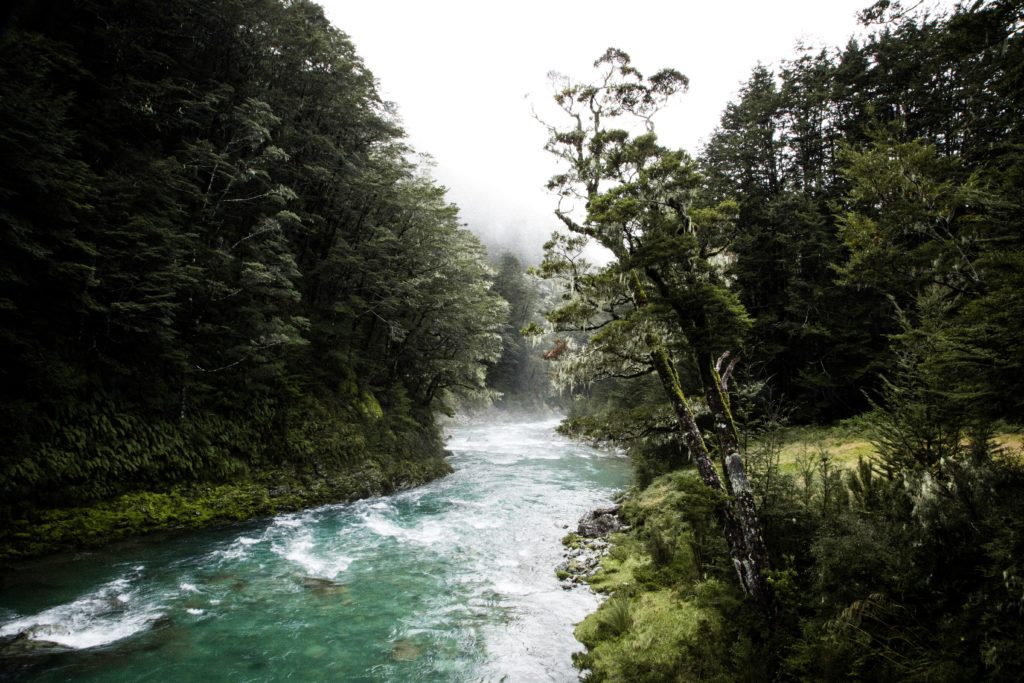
518,374
217,253
662,302
932,236
774,153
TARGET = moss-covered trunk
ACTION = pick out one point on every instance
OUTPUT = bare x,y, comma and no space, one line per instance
739,516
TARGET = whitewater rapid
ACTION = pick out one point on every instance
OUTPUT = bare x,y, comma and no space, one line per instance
452,581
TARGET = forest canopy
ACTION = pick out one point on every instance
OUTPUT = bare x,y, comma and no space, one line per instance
847,246
217,254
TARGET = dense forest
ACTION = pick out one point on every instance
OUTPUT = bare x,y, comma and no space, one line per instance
219,265
847,246
229,287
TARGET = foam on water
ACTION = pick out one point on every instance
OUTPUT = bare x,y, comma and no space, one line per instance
315,561
289,521
236,550
112,612
451,581
427,533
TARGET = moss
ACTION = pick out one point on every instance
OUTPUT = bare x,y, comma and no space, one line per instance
573,541
190,506
562,575
666,617
647,637
370,406
663,493
618,568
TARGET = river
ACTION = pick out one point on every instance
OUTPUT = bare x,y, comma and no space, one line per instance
452,581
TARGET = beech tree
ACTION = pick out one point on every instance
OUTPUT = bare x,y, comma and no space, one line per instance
661,305
218,256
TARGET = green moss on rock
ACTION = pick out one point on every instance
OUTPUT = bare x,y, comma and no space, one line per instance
648,637
667,617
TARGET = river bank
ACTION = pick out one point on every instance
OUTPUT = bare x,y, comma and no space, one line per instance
449,581
201,505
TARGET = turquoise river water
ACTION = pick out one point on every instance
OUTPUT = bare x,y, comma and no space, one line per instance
453,581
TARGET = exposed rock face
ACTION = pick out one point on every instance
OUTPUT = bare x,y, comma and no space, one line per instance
600,522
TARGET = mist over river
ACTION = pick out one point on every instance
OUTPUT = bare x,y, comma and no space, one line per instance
453,581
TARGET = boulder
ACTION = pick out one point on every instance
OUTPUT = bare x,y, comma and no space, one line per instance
600,522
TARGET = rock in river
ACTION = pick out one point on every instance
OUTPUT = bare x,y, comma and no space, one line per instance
600,522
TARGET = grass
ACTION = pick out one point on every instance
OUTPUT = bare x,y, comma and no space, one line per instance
844,451
1013,441
850,441
645,637
619,565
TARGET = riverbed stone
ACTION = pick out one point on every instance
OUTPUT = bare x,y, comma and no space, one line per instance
587,545
600,522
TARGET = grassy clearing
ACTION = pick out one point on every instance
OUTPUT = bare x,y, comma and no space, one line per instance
1011,441
850,441
844,451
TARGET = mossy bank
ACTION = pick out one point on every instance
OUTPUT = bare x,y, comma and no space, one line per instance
193,506
672,613
326,455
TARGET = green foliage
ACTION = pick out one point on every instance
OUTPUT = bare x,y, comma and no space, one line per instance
898,582
879,163
640,639
519,375
674,610
185,506
630,415
875,240
216,257
666,281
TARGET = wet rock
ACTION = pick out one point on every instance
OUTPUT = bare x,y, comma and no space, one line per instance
600,522
31,641
587,545
323,587
406,651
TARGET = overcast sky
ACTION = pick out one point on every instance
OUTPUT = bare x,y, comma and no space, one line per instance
466,74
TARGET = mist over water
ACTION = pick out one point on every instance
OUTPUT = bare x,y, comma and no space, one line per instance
453,581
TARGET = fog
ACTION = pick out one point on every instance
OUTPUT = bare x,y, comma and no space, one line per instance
467,77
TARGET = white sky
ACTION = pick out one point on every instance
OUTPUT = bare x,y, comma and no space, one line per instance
465,75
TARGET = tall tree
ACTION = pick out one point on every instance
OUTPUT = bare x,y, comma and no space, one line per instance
215,245
517,374
638,204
